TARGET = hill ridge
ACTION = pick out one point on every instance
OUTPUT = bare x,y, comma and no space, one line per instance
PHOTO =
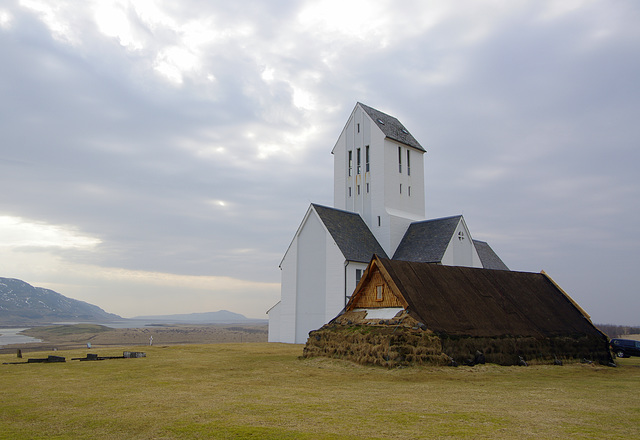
23,304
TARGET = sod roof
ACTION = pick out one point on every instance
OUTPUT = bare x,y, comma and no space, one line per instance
486,303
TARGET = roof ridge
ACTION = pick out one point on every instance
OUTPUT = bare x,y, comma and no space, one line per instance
391,127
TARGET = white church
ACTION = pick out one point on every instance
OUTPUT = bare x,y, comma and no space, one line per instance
379,208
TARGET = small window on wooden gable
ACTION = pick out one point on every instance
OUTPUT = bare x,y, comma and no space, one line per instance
379,292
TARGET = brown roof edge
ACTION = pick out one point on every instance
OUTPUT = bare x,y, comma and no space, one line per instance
571,300
390,279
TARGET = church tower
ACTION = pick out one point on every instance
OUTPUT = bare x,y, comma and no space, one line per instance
379,173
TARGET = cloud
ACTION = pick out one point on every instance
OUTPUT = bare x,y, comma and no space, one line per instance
187,139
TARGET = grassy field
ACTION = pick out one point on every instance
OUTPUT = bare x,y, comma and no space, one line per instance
260,390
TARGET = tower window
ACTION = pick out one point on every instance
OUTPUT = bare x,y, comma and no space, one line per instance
408,163
350,162
399,159
358,169
366,159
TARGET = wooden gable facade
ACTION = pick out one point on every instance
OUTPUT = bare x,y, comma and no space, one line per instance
376,289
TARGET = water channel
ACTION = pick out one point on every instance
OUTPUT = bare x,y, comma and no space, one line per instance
10,336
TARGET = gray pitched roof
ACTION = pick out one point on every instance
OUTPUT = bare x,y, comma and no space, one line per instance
351,234
391,127
488,257
427,241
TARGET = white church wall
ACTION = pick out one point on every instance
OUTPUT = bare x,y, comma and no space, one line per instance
351,271
311,284
340,178
403,195
335,277
284,317
398,181
275,322
398,227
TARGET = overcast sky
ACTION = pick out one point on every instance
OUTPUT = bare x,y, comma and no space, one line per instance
157,157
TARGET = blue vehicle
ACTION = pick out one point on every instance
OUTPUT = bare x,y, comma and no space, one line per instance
625,347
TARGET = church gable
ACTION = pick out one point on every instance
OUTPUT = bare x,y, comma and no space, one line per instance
461,250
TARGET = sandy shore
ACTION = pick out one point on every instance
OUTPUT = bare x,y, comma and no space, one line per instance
157,335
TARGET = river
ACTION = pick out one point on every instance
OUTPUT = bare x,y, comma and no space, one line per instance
10,336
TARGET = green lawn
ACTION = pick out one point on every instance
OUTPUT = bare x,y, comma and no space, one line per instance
264,390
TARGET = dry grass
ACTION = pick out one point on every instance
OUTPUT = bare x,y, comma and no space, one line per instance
260,390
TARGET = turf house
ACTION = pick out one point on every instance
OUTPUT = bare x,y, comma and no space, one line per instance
405,313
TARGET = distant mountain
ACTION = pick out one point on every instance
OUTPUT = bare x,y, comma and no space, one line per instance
220,317
23,304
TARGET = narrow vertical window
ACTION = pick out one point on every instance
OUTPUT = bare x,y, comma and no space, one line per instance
379,221
358,189
349,191
408,163
409,191
350,162
366,159
358,127
401,188
379,291
358,161
358,275
367,187
399,159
